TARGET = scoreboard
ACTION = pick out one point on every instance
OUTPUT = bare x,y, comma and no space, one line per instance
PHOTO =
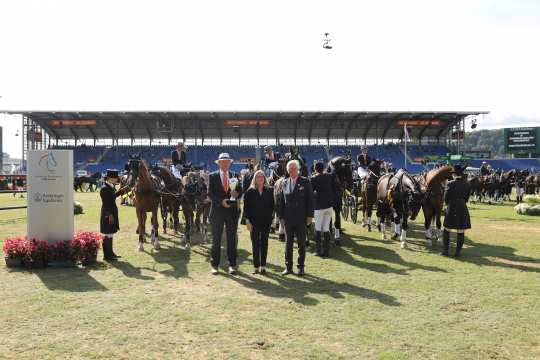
522,140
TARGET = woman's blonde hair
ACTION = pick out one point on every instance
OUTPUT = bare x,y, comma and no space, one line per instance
252,185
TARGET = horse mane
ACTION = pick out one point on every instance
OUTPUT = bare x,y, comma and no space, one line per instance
144,176
435,177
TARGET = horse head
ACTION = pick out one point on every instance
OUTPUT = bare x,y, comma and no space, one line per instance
342,167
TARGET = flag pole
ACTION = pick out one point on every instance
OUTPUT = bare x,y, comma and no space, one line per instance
406,136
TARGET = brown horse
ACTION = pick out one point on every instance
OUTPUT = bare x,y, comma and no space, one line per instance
432,184
171,197
203,204
369,192
147,199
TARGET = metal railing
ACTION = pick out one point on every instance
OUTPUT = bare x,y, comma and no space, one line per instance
12,207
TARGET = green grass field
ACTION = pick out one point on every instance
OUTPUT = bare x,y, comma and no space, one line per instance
370,300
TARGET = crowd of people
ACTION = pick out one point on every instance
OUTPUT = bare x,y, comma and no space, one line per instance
251,200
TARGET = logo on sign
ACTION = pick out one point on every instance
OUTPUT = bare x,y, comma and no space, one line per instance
48,161
37,197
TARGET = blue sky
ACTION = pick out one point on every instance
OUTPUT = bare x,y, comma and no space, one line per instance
246,55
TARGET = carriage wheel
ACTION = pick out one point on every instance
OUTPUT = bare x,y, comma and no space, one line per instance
345,208
354,209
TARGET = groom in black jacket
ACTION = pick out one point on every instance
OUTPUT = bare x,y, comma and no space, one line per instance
224,212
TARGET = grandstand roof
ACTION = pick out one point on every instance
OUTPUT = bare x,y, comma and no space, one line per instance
244,124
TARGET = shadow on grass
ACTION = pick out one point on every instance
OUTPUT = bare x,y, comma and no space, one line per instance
174,255
75,279
352,246
205,250
299,289
129,270
483,254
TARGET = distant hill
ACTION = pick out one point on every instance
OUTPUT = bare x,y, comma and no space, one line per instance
492,140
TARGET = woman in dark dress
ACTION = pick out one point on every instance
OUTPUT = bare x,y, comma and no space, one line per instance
258,209
457,215
109,222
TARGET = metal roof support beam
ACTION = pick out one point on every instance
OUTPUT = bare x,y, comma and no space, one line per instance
93,134
145,125
349,127
276,123
199,125
106,124
219,126
311,125
295,131
390,122
123,121
332,122
180,121
369,126
258,128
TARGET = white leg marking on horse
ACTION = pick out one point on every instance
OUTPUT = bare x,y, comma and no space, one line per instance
141,246
383,228
403,238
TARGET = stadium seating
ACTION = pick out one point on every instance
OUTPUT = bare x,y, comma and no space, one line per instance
100,158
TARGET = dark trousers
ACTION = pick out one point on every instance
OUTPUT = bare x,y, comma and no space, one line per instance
298,231
337,221
259,242
228,218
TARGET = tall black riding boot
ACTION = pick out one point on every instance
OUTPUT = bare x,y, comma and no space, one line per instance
106,249
326,244
446,242
112,251
460,241
318,244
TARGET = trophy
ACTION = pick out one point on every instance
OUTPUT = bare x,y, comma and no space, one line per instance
233,183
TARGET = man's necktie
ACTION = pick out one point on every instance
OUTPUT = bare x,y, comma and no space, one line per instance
225,181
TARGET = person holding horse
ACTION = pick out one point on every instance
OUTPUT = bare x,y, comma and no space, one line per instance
258,211
224,211
457,214
295,206
324,190
109,222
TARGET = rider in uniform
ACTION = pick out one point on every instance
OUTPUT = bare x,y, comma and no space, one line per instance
109,222
270,156
178,158
457,215
520,184
363,162
484,169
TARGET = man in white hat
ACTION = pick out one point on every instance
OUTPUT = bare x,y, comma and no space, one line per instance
223,190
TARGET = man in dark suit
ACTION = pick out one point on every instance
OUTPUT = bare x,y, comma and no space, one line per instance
178,156
295,207
221,188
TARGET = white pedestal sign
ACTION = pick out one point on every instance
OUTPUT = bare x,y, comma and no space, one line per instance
50,194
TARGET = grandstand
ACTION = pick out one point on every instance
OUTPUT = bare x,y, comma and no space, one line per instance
100,158
102,140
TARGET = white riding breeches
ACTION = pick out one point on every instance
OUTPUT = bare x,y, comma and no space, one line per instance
323,218
362,173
